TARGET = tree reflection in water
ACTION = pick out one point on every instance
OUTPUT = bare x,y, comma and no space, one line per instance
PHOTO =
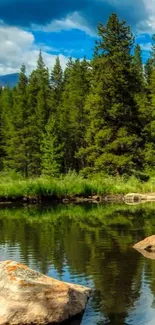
91,245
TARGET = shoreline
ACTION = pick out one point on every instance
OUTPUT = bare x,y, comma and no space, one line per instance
73,188
130,198
62,199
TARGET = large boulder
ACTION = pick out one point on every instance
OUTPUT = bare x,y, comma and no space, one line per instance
29,297
147,244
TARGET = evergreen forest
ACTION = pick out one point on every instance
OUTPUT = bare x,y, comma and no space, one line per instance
96,116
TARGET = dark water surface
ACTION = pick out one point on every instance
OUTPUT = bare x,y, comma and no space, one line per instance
89,245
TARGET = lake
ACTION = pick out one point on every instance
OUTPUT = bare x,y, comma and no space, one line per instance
89,245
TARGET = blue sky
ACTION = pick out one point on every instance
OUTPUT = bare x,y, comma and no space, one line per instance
65,28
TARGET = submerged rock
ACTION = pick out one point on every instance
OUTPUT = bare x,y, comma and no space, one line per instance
146,247
29,297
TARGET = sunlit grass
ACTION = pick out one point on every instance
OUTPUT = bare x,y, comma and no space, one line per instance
71,185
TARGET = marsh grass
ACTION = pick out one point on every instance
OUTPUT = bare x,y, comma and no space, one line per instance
71,185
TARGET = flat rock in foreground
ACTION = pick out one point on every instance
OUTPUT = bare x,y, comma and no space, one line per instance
146,246
29,297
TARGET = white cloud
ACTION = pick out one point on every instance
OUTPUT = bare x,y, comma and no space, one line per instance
149,24
71,21
140,15
18,47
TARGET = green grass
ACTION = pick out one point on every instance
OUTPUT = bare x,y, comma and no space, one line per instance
70,185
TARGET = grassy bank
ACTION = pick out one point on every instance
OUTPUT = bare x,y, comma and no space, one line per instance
71,185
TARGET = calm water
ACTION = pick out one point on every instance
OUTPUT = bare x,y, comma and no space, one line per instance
89,245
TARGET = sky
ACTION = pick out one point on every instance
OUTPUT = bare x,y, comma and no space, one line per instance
64,28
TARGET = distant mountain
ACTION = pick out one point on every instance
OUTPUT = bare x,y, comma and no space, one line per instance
9,79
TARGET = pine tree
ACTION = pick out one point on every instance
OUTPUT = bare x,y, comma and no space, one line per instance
138,64
52,150
150,63
72,115
149,127
112,141
42,76
52,142
56,85
68,69
141,94
148,69
1,133
7,117
96,116
17,151
38,107
16,131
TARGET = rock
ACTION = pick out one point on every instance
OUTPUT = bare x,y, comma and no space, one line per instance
29,297
96,198
150,255
148,244
138,197
133,197
114,198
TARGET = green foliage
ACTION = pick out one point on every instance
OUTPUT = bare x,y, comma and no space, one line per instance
38,114
56,86
96,116
149,115
16,146
1,133
71,184
137,62
52,150
72,114
112,136
148,69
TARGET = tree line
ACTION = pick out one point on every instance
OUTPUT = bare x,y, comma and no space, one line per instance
95,116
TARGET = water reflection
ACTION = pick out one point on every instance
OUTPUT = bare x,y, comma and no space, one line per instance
90,245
